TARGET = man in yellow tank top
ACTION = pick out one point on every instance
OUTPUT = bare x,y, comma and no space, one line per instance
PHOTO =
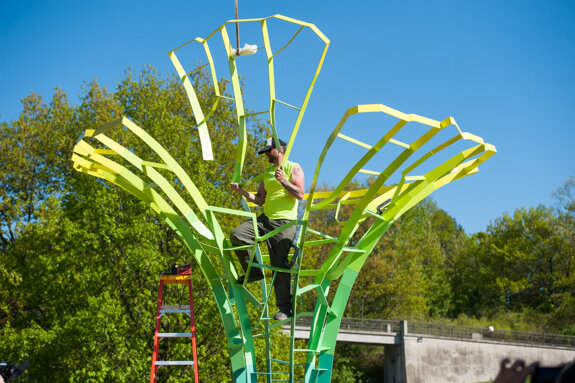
279,192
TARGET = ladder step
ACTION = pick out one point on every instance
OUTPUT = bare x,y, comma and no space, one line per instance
285,362
174,335
175,307
281,322
175,311
175,363
279,361
316,352
307,288
270,373
260,335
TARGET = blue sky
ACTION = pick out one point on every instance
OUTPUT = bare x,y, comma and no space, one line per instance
503,69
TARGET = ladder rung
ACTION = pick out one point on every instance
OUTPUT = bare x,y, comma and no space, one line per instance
174,335
175,363
307,288
241,247
175,307
270,373
260,335
275,268
308,350
285,362
280,322
175,311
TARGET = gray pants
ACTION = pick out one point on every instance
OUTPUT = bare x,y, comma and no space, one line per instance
278,245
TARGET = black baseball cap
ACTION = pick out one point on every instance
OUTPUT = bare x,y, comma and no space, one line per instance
270,144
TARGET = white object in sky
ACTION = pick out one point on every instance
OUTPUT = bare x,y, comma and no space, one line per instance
245,51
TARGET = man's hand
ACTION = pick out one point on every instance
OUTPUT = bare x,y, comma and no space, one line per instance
258,198
294,186
279,174
235,187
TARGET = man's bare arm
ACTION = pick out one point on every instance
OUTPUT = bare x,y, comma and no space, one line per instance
295,185
258,198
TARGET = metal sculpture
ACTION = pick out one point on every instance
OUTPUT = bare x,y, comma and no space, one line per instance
377,206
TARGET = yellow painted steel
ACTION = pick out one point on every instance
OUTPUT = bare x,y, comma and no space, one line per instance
377,206
238,98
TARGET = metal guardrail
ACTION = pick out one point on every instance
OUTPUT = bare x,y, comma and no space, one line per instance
485,334
373,325
480,334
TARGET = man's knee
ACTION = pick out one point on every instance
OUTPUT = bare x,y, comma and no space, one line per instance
235,236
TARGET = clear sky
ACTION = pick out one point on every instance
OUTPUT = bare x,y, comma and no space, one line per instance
505,70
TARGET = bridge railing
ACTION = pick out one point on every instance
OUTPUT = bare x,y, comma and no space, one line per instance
486,334
362,324
375,325
452,331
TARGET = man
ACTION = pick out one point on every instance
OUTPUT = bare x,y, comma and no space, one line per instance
279,192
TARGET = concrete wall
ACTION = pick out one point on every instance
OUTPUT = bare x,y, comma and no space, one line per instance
393,364
442,360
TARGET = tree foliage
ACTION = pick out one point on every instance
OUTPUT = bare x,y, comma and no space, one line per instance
80,258
524,263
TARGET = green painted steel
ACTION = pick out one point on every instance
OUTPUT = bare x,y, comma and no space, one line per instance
376,207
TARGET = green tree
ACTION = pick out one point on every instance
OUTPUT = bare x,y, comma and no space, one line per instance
563,317
524,253
80,259
524,263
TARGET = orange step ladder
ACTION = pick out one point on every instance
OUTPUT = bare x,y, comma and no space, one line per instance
178,275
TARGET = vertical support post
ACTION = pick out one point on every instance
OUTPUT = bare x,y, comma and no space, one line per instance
193,331
156,348
362,299
237,31
403,328
403,352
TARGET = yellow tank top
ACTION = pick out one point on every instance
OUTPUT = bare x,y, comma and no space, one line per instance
279,204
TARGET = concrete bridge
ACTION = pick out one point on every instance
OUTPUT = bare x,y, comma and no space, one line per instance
419,352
